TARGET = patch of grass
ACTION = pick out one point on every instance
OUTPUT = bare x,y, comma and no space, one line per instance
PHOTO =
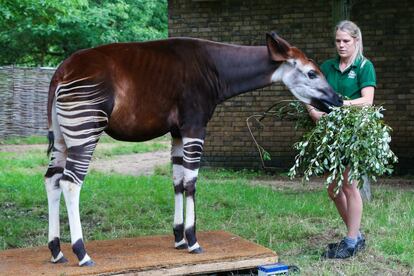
221,174
163,170
17,162
31,140
295,224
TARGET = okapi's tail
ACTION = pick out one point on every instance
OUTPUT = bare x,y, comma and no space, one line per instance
51,96
51,139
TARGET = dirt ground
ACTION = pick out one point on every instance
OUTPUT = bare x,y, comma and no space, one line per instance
132,164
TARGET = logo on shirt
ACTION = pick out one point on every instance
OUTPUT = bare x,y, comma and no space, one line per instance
351,74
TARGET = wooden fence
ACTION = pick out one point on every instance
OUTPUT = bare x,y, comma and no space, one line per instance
23,100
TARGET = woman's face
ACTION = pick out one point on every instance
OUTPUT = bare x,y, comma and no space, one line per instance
345,44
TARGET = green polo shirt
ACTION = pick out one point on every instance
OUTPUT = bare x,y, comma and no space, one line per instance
350,82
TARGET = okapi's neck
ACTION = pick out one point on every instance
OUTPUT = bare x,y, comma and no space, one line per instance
241,68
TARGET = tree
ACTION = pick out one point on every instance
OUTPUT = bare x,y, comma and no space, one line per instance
44,32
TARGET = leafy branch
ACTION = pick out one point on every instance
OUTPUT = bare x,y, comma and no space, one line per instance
349,137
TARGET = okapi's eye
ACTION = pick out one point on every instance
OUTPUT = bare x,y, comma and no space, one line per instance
312,74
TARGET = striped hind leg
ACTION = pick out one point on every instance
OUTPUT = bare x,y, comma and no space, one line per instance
71,183
77,164
82,113
52,177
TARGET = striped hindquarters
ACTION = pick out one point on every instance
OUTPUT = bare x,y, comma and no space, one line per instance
82,109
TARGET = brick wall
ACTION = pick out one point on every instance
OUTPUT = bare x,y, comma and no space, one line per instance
388,37
309,26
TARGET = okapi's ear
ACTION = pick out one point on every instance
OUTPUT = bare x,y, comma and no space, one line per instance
278,47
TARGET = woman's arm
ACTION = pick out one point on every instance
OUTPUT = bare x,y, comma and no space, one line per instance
367,97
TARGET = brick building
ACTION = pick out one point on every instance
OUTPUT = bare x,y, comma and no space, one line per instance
388,41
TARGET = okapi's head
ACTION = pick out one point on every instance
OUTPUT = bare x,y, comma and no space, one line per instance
301,75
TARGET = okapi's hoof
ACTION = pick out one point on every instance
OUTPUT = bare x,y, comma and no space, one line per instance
198,250
88,263
182,246
60,261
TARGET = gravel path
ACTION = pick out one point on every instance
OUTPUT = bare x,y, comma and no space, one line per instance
132,164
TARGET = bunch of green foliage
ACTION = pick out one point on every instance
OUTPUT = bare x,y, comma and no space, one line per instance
43,33
349,136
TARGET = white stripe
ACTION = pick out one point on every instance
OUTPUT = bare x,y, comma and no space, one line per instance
76,104
188,140
71,192
59,256
80,132
195,246
84,260
53,197
190,144
76,87
81,95
189,216
76,112
73,142
177,244
192,152
179,209
189,174
82,120
75,178
193,160
68,83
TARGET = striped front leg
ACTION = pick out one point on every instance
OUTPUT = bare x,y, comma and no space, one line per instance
178,178
192,151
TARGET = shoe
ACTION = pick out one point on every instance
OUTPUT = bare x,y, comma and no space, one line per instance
360,244
342,251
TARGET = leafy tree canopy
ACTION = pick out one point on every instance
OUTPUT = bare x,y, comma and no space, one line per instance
44,32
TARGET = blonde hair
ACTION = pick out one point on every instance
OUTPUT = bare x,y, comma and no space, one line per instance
353,30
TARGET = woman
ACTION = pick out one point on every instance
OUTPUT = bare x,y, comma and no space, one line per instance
353,76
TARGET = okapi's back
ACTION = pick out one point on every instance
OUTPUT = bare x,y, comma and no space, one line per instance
148,84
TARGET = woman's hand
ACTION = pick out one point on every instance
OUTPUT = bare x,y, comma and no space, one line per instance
347,102
314,113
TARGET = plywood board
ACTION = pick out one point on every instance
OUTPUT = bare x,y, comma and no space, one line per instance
152,255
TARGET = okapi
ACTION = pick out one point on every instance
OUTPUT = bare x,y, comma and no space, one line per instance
139,91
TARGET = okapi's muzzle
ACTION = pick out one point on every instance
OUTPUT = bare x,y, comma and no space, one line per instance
325,104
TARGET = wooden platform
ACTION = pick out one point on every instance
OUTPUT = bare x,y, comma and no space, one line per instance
153,255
